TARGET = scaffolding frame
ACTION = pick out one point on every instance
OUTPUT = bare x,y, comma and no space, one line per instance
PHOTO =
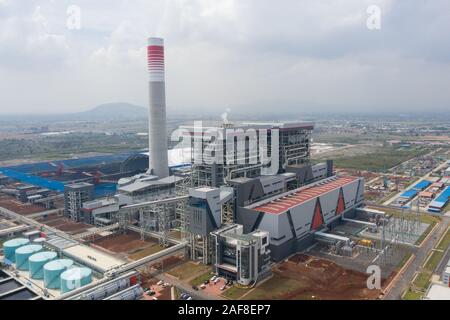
158,217
200,248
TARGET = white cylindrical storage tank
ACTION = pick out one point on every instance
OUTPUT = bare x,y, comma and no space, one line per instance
75,278
10,247
39,240
53,270
24,253
37,262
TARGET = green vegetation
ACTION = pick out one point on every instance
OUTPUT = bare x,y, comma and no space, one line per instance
422,280
425,218
347,138
235,292
274,288
200,279
188,270
445,241
63,146
382,158
412,295
433,260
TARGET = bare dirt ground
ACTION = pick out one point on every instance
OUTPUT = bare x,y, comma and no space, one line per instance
123,243
348,151
358,173
168,263
307,277
327,280
16,206
63,224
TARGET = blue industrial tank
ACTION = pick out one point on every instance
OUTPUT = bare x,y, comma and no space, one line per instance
10,247
24,253
53,270
37,262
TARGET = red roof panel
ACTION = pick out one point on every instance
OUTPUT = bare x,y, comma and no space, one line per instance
285,203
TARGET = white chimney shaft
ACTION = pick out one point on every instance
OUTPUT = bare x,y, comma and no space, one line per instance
158,162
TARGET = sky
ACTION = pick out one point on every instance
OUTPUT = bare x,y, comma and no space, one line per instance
236,55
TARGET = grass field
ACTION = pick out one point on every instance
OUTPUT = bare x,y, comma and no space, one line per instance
412,295
274,288
189,270
445,241
235,292
383,158
422,280
200,279
433,260
425,218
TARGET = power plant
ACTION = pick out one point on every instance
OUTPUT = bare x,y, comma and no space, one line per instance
249,198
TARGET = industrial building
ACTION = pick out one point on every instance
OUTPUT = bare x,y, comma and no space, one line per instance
438,292
231,155
98,212
293,217
74,196
440,201
239,256
446,276
205,211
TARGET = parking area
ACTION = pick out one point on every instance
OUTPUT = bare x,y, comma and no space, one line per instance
156,290
211,285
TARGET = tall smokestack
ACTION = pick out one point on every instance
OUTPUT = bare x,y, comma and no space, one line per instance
158,162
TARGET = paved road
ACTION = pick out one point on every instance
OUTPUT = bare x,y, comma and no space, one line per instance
421,254
196,295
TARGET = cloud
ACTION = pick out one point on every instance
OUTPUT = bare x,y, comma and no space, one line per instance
252,55
27,44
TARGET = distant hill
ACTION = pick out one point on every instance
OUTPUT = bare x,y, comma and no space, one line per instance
119,110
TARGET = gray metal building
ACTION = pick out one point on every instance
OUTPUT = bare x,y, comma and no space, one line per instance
231,161
74,196
242,257
293,217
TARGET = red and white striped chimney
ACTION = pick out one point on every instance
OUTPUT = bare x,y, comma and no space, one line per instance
155,55
158,160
